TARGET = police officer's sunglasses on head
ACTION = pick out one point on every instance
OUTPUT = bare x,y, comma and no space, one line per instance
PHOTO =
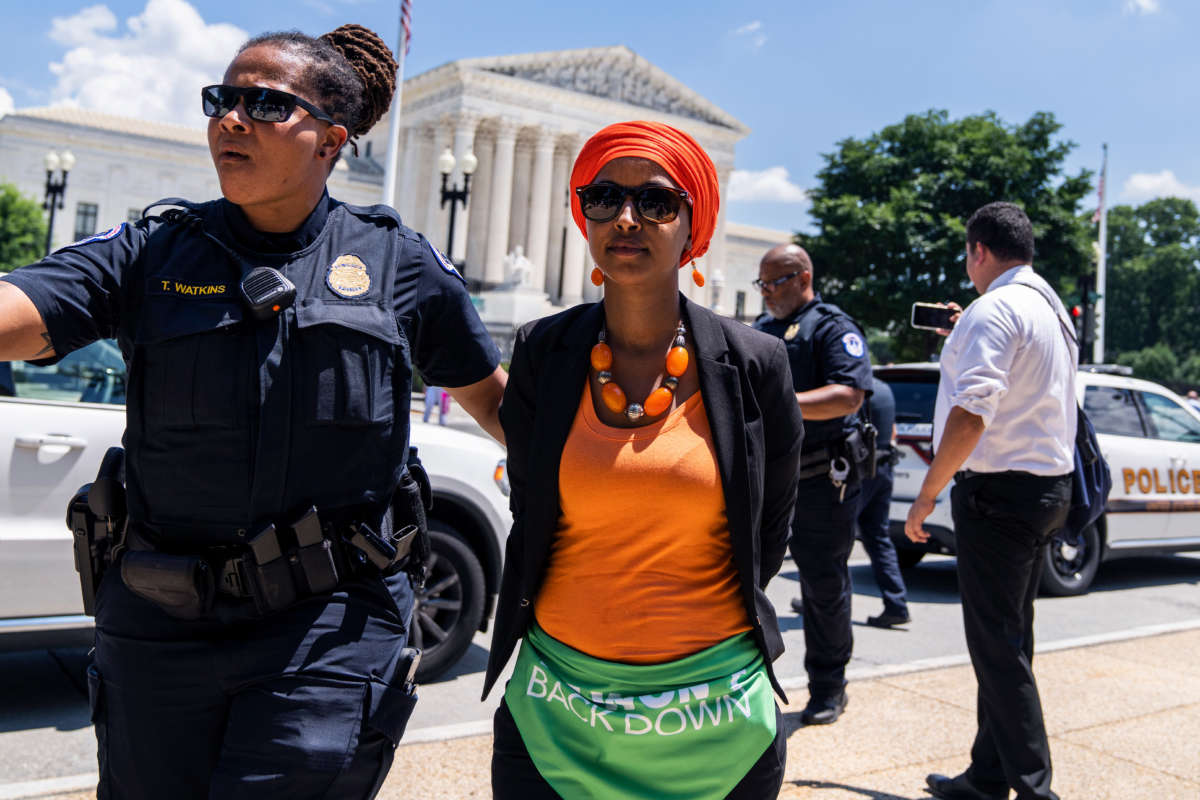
262,105
772,285
602,202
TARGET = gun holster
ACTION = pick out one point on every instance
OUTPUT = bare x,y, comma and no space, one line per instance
859,449
96,517
410,504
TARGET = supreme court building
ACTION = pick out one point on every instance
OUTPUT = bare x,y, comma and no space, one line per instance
525,118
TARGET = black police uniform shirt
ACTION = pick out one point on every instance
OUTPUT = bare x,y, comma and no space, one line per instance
234,422
836,354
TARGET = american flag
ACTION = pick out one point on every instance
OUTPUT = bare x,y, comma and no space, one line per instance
1103,170
406,23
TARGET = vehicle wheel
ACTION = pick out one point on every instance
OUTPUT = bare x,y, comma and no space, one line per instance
1071,562
449,609
909,558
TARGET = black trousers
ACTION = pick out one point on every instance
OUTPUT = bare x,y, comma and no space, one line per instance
822,537
306,703
515,777
1001,523
873,515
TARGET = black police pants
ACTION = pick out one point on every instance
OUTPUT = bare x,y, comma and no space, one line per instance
516,777
873,522
305,703
822,537
1001,525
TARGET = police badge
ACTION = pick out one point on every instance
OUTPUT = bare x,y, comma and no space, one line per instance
348,277
791,332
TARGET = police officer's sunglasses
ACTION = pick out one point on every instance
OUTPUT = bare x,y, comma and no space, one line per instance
262,105
602,202
772,285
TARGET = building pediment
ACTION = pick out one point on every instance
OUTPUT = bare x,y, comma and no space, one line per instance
613,73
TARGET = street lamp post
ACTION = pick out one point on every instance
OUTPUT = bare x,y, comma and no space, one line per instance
452,194
55,189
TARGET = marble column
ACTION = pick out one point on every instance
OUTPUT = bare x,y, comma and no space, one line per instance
539,206
501,201
518,219
481,199
406,181
559,216
576,253
718,254
465,124
435,217
424,177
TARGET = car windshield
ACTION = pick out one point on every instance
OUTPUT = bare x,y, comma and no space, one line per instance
92,374
1170,420
915,399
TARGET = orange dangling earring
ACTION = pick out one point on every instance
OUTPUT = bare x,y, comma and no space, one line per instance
697,278
597,277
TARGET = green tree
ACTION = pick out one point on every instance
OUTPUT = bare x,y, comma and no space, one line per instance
1155,363
1153,284
891,211
22,229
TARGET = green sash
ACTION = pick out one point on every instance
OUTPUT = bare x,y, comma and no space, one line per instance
685,730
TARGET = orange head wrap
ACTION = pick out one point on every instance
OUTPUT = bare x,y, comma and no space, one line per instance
677,153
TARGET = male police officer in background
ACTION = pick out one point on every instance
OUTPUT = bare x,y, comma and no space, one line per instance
831,375
873,513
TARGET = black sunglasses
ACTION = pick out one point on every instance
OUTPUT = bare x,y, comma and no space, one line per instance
262,105
602,202
771,285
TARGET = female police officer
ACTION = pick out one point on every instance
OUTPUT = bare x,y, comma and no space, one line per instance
249,632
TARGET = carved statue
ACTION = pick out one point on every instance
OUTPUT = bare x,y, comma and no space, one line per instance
518,270
612,76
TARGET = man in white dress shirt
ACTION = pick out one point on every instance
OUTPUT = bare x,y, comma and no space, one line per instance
1004,429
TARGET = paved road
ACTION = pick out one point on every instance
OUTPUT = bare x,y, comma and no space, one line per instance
45,732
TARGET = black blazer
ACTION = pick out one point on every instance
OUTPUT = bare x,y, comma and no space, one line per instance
757,432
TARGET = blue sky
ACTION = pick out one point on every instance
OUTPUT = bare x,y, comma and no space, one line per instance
801,74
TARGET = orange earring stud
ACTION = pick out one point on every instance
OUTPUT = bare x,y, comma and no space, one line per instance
597,277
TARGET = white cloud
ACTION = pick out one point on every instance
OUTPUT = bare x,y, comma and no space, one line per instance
153,69
752,30
1142,7
771,185
6,102
1143,186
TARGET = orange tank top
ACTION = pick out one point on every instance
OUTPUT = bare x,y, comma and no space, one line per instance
641,568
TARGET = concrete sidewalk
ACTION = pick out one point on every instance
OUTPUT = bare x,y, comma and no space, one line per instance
1123,719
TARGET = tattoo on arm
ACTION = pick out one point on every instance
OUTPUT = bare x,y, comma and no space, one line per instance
49,348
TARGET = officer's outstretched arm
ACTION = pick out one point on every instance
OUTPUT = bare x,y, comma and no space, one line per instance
482,401
23,333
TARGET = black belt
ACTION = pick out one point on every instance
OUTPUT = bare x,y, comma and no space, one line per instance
273,571
815,463
964,474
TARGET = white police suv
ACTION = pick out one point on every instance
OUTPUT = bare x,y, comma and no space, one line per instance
1149,436
57,422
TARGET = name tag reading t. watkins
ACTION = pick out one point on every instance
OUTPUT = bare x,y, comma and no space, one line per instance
173,286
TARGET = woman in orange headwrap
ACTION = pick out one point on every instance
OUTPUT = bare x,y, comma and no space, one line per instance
652,453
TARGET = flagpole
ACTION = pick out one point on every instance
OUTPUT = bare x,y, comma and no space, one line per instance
1101,266
393,153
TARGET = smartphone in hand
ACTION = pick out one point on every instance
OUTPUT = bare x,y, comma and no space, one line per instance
932,316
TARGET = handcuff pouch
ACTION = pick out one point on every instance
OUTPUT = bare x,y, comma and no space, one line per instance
182,586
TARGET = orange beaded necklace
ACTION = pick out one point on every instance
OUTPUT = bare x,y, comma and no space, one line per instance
658,400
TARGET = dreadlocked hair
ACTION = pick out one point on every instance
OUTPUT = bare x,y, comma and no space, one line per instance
351,74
